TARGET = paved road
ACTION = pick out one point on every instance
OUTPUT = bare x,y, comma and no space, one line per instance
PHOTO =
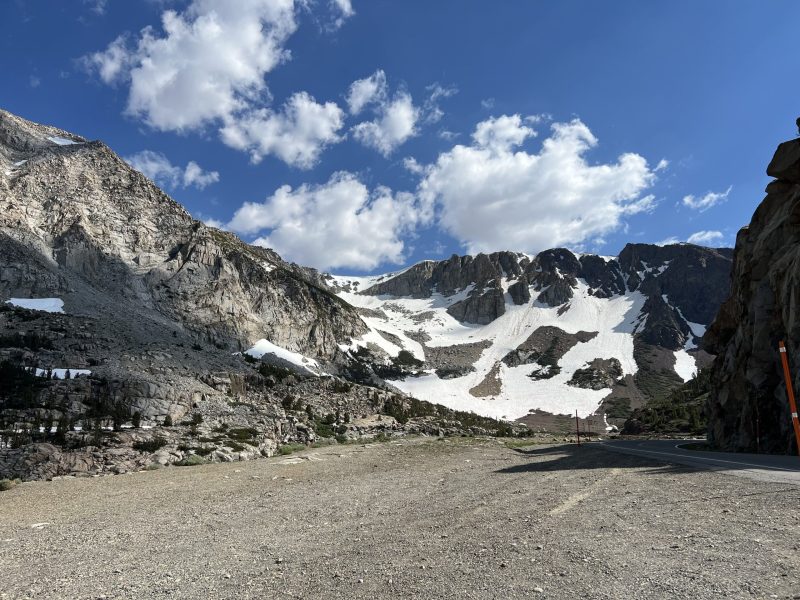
761,467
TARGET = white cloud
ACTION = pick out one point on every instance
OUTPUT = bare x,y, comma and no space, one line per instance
502,133
297,135
157,167
492,195
207,65
447,135
345,11
97,6
396,123
345,7
366,91
487,104
396,118
708,201
662,164
701,238
337,224
113,63
433,113
706,238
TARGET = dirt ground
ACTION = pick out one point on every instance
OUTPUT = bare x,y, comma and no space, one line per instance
416,518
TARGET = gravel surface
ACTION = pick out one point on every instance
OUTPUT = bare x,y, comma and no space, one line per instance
417,518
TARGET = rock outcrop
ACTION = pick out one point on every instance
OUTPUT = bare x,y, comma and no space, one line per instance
748,409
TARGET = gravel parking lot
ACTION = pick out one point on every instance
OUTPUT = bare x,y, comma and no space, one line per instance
415,518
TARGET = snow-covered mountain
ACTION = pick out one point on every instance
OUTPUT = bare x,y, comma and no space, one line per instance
507,333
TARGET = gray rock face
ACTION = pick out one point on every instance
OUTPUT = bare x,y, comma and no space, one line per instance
597,375
481,306
748,408
694,279
77,222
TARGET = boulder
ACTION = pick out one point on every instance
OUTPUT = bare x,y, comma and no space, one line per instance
785,165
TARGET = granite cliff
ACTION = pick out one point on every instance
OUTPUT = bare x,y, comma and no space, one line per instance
748,409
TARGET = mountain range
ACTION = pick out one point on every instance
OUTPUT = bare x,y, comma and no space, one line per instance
167,318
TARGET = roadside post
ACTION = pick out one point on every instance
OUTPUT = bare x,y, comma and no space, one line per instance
577,428
792,404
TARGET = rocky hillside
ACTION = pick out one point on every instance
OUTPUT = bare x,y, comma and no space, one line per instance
508,334
77,223
748,408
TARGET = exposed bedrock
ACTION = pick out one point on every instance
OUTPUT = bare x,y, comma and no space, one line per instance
748,407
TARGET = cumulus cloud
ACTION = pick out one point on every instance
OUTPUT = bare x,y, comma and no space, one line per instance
494,195
706,238
340,223
158,167
297,135
367,91
710,200
113,63
207,67
396,123
397,118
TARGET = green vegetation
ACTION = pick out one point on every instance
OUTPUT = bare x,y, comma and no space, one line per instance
31,340
192,460
152,445
681,411
618,408
405,358
7,484
287,449
404,409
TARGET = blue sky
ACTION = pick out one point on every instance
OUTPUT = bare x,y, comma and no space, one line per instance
363,135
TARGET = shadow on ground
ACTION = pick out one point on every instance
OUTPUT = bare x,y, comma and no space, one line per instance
571,457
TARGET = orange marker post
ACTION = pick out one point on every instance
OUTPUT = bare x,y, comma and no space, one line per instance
792,404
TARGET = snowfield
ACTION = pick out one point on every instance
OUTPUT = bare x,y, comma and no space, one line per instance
51,305
614,319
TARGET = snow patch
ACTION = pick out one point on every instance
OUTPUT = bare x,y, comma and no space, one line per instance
62,373
263,347
51,305
685,365
61,141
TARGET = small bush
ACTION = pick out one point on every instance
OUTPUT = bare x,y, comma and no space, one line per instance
152,445
136,420
287,449
7,484
168,421
242,434
192,460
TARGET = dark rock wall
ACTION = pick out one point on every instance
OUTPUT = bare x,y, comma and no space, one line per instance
748,408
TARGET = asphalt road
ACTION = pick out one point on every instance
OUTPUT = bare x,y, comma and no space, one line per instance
761,467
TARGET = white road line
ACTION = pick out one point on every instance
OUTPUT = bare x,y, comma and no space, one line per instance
702,458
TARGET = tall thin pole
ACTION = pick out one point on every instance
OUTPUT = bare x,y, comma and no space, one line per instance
578,428
792,404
